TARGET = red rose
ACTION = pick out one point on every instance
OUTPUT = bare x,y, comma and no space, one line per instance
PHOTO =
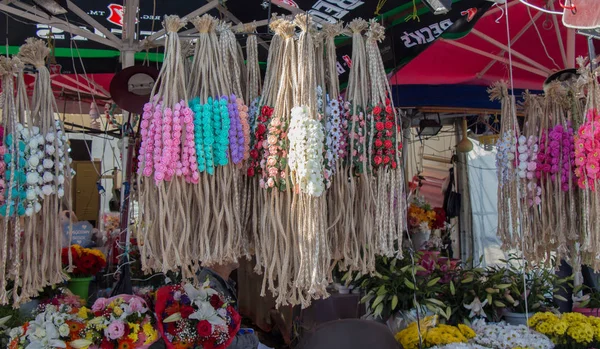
216,301
250,171
386,159
186,311
254,153
377,159
378,143
106,344
204,328
261,129
394,164
399,146
387,101
377,110
379,126
390,117
387,144
388,133
379,152
389,125
388,109
266,111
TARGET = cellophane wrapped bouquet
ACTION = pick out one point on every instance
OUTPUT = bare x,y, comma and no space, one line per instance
190,317
122,321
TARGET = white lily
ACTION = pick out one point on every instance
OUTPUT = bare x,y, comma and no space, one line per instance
207,312
476,308
44,336
198,296
81,343
4,320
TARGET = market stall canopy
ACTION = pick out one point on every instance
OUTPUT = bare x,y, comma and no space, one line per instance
540,44
92,36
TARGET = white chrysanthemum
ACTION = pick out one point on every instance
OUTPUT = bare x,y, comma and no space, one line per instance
50,137
50,149
47,190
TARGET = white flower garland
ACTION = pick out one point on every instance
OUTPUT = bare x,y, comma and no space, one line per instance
35,168
305,156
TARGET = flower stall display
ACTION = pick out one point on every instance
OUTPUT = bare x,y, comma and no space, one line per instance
86,262
122,321
429,333
189,317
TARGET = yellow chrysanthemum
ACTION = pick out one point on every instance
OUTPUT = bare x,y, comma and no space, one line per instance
150,332
559,328
134,337
134,327
83,312
118,311
466,331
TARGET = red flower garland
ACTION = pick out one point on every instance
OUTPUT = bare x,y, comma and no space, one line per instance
260,135
384,152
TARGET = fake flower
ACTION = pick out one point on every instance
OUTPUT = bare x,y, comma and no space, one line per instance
556,156
587,151
306,152
384,144
208,324
257,162
274,161
505,157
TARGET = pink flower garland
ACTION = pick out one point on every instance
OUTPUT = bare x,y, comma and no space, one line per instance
556,155
587,151
243,111
161,150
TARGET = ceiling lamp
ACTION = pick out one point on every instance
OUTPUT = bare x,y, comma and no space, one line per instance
439,7
465,145
429,127
53,7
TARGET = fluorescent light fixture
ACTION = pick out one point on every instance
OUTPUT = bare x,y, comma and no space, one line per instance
53,7
439,7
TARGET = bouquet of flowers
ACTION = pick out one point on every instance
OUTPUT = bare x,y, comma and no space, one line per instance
433,334
422,217
503,336
87,261
54,327
569,330
189,317
122,321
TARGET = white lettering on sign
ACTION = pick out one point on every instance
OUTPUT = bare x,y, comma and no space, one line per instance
96,13
425,35
340,68
331,11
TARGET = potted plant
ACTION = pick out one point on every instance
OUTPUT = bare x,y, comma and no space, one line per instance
541,285
589,303
86,263
421,221
399,289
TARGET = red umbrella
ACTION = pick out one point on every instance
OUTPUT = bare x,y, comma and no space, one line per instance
540,45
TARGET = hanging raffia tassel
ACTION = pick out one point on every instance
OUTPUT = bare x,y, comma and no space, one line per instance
359,217
306,136
389,180
168,155
508,231
251,203
590,193
337,149
54,181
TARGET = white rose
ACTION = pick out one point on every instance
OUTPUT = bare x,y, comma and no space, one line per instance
47,190
50,149
48,163
29,211
61,179
32,178
31,194
35,129
38,207
50,137
33,161
33,143
48,177
63,330
61,193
